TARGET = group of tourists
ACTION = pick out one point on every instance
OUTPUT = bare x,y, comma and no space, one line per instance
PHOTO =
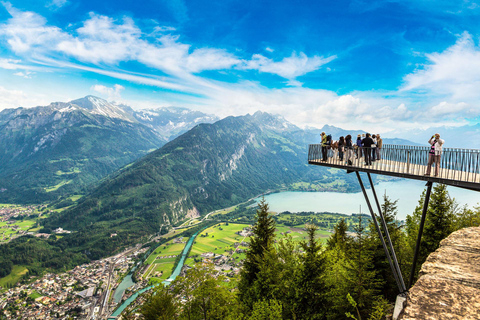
366,145
370,147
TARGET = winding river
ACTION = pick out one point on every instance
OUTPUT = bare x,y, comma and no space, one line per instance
128,282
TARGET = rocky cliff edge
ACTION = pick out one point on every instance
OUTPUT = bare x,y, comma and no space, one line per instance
449,281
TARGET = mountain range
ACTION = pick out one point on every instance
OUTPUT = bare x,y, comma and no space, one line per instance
212,166
63,148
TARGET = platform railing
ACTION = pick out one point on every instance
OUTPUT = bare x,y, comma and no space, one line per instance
455,164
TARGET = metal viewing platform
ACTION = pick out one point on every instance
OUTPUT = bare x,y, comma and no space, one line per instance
458,167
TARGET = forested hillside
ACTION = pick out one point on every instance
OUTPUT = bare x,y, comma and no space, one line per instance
62,149
210,167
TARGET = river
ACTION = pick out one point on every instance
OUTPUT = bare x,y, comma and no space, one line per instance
407,192
128,282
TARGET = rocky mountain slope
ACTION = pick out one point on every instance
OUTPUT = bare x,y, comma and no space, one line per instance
210,167
61,149
449,281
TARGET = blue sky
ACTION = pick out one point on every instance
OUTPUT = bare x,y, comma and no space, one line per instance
355,64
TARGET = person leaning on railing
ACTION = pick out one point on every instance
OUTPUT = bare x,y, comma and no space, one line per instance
435,153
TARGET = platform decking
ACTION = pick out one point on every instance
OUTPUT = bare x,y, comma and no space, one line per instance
458,167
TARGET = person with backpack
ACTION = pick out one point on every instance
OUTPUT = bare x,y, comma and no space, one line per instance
324,146
329,146
349,150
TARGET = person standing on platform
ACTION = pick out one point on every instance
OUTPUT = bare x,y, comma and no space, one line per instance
324,146
359,147
379,147
348,150
367,143
435,153
341,148
374,146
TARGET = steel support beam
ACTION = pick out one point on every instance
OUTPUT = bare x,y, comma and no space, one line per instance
420,231
379,232
389,240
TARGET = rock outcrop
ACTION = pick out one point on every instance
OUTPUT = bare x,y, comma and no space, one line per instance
449,281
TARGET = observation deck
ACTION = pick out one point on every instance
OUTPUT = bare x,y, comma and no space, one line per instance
458,167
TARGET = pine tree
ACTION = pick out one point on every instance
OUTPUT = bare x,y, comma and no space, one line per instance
204,296
160,304
336,273
361,275
266,310
440,219
339,237
311,288
261,242
439,223
467,218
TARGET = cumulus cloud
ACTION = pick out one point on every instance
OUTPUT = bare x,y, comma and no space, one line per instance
17,98
102,40
454,73
27,31
110,93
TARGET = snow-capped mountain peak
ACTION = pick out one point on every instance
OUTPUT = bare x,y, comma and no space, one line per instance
96,105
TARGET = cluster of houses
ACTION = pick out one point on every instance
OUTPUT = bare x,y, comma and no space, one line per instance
74,294
9,212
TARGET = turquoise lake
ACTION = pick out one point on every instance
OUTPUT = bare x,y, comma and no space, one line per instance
406,191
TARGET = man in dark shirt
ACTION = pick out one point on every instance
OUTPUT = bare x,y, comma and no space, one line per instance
367,143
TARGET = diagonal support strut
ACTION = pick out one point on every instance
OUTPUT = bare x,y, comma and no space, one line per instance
389,240
380,234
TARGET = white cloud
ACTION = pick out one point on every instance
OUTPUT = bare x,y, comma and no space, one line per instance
102,44
10,64
24,74
110,93
290,67
102,40
17,98
27,31
56,4
163,29
210,59
106,41
454,73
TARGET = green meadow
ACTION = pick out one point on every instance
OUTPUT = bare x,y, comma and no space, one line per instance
218,239
13,277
